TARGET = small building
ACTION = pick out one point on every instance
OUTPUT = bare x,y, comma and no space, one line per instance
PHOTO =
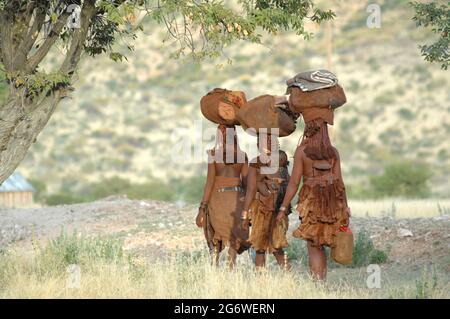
16,192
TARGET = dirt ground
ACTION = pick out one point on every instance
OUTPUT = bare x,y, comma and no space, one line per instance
157,228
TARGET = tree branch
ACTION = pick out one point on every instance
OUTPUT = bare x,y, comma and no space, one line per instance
79,37
30,38
6,40
34,61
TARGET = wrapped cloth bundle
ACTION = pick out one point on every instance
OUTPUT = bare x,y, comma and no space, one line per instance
313,80
262,113
221,106
315,94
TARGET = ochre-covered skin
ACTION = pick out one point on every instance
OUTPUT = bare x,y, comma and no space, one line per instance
223,198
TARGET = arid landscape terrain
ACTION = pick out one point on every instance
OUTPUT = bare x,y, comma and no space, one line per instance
412,252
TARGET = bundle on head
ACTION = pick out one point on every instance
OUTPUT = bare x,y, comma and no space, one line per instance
332,97
221,106
262,113
315,94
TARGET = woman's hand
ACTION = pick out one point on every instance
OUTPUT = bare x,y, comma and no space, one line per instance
245,220
200,219
281,215
245,224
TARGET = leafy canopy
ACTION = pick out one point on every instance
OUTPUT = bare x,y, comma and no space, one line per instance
436,16
195,28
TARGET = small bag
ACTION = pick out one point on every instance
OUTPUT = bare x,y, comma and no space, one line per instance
342,250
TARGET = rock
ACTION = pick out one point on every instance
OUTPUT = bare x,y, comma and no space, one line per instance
144,204
441,218
404,232
114,198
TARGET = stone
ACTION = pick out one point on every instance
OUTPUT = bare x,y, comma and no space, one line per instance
404,232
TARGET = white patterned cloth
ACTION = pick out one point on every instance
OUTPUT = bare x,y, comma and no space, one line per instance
313,80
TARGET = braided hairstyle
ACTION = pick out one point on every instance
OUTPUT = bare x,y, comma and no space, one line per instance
317,141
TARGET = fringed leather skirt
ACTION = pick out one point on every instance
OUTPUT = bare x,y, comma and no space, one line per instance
323,209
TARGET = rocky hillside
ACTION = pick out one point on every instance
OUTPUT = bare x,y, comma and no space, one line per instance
121,119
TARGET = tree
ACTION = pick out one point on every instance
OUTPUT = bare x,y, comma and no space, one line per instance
436,16
406,179
30,29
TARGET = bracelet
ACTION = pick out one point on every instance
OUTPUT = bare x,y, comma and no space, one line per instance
282,208
244,215
203,205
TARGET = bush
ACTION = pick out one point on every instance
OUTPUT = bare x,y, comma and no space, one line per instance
297,251
405,179
64,197
188,190
406,114
426,285
364,253
65,250
40,189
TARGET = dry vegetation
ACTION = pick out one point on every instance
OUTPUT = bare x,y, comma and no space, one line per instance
193,277
146,249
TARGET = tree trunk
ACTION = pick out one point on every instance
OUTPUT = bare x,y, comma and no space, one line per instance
24,116
19,129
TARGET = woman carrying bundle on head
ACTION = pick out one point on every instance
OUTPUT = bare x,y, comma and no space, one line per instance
322,204
267,181
223,197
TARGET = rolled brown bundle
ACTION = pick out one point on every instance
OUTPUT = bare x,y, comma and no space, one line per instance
332,97
262,113
220,106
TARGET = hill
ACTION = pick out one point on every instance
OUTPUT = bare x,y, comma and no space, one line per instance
122,116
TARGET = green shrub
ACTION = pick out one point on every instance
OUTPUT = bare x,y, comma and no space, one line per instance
378,257
364,252
189,190
40,189
64,197
348,124
406,114
405,179
426,284
298,251
77,249
385,98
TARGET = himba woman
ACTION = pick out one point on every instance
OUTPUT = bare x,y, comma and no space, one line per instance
223,197
322,202
266,185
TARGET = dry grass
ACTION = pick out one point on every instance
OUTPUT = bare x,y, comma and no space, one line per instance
399,208
184,276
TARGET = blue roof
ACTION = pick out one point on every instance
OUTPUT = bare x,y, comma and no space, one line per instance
16,183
